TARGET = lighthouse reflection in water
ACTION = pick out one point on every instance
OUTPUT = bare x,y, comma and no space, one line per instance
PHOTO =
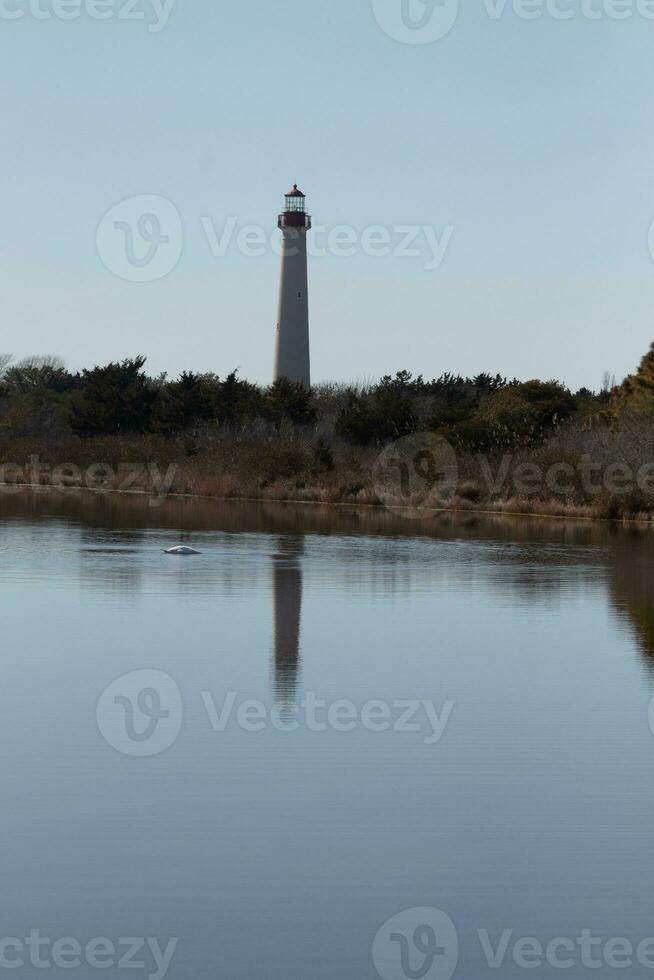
287,618
280,849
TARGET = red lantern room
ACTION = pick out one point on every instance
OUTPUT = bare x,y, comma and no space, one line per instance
294,214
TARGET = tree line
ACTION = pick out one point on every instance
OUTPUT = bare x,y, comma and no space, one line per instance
120,398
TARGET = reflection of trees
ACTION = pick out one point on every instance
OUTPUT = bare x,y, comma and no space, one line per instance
287,612
632,588
526,560
110,560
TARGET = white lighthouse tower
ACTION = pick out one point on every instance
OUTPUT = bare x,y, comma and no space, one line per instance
292,338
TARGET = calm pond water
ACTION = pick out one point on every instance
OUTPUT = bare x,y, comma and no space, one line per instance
517,653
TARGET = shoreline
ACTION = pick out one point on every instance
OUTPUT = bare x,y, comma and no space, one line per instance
646,521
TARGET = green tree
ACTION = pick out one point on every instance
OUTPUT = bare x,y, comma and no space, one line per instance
236,400
41,374
286,400
635,396
377,416
114,399
184,403
524,413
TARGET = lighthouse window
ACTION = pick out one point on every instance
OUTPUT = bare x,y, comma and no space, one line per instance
295,204
299,295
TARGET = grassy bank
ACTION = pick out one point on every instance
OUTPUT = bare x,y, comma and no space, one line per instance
464,444
296,465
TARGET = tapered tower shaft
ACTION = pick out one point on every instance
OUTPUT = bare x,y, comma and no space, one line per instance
292,359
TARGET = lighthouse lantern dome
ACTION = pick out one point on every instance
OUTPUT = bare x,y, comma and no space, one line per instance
294,217
294,200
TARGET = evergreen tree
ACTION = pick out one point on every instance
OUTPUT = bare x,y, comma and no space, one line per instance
289,401
114,399
184,403
636,393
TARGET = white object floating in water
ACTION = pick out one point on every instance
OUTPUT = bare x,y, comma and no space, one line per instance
182,549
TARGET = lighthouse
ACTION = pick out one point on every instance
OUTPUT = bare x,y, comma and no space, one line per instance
292,336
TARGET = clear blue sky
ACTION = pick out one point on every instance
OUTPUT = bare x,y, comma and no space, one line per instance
531,139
